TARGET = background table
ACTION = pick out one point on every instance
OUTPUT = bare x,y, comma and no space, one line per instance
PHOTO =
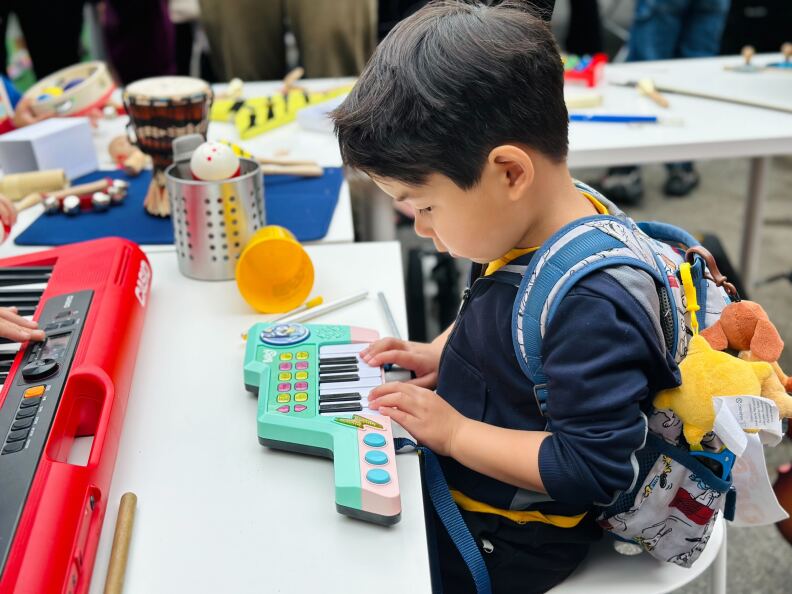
217,512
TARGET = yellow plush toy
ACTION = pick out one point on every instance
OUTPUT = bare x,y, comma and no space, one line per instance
706,374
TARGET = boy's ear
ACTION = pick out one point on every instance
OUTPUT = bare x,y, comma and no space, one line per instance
513,166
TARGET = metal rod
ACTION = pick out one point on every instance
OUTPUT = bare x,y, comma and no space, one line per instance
326,308
388,314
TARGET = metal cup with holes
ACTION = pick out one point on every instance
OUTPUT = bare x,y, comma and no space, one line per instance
213,221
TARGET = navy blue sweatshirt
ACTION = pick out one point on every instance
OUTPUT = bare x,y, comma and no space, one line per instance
604,362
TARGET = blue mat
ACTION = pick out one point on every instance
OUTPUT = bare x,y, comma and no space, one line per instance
305,206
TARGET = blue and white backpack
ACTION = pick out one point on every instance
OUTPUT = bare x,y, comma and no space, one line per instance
672,505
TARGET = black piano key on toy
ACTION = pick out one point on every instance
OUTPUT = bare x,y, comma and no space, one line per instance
339,369
26,310
344,397
11,298
331,379
331,408
344,359
20,275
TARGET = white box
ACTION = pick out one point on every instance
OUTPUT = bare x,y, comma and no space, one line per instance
54,143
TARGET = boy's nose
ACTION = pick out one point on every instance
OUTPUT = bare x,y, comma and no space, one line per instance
422,229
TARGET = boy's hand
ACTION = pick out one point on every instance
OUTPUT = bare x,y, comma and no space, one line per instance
23,113
428,418
16,328
421,358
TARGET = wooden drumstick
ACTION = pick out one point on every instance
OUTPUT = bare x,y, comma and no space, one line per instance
290,79
120,552
647,87
301,170
786,50
748,53
280,161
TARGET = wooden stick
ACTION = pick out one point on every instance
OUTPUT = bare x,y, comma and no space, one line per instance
36,197
647,87
291,78
120,552
301,170
28,201
283,161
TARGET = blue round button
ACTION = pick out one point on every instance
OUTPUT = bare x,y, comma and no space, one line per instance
374,440
378,476
284,334
376,457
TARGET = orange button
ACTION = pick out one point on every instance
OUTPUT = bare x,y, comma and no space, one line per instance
34,391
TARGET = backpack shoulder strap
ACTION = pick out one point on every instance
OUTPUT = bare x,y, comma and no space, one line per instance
576,250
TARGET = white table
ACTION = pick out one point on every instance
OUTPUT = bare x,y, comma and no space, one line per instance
710,130
217,512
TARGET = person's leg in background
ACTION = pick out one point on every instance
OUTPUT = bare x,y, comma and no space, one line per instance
334,38
52,32
246,38
584,35
700,36
654,35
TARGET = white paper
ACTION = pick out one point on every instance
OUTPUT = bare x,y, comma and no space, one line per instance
756,502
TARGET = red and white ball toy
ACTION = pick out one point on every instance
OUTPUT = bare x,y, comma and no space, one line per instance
214,161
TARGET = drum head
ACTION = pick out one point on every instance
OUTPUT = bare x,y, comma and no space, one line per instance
174,88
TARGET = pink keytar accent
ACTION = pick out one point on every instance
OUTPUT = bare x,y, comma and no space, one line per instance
284,409
384,500
357,334
299,407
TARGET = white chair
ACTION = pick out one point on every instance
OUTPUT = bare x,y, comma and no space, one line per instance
607,572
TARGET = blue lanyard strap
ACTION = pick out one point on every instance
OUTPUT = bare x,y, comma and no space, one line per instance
449,515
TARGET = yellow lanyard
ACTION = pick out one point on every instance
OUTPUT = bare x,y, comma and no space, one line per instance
690,296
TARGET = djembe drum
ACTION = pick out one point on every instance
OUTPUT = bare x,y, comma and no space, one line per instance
161,109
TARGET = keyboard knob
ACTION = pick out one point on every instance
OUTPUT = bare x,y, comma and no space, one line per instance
38,370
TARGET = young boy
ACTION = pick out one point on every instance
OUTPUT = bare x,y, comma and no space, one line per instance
460,113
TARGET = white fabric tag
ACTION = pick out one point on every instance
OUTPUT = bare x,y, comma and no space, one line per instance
749,413
756,502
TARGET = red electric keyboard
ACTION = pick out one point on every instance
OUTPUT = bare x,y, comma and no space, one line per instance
90,298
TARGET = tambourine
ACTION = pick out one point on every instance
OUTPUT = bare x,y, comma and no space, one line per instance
72,91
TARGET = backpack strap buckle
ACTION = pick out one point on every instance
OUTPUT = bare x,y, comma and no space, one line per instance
540,395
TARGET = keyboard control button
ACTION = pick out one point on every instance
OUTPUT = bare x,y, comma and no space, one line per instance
283,409
301,397
299,407
374,440
13,447
34,391
301,375
17,435
302,356
285,387
301,386
285,366
25,413
302,365
27,402
286,357
282,398
378,476
23,424
376,457
284,376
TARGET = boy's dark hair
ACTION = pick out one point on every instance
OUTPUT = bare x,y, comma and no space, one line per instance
447,85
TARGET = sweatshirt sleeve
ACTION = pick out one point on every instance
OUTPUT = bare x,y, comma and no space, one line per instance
602,358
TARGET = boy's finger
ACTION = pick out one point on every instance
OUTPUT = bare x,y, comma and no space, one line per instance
384,344
18,334
383,389
404,359
7,212
11,315
427,381
397,399
401,417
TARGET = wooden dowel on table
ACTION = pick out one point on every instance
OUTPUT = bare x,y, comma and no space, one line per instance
120,552
300,170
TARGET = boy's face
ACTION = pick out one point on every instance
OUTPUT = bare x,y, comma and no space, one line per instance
480,224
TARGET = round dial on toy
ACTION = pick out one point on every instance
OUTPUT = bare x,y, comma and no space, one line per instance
284,334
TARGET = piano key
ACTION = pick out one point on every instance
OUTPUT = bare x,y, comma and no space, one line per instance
330,361
10,298
26,310
342,397
22,275
338,369
340,408
331,378
7,346
3,376
349,348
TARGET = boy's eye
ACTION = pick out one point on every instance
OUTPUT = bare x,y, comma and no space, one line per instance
424,210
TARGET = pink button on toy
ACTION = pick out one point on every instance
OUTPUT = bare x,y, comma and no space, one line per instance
299,407
284,409
301,386
302,365
285,387
286,366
